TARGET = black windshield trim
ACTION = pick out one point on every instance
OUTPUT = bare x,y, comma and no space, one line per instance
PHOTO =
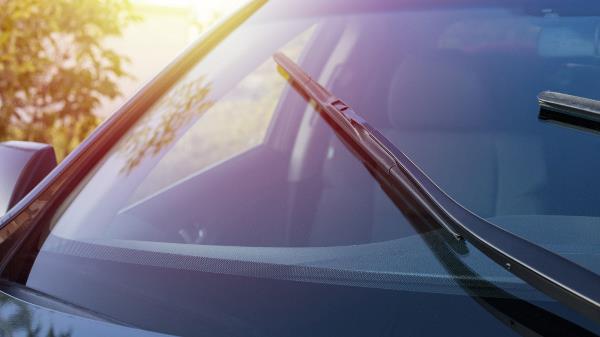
556,276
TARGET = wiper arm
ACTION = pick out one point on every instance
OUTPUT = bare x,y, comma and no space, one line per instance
571,110
558,277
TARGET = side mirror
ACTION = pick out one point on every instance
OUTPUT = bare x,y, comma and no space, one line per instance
22,166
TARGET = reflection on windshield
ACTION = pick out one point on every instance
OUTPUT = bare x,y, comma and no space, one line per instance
151,136
18,319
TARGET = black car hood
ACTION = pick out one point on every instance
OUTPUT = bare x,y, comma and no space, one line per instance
21,318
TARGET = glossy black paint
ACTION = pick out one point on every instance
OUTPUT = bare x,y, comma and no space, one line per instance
22,318
22,166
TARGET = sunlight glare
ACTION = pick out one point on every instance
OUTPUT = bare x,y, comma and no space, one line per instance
205,10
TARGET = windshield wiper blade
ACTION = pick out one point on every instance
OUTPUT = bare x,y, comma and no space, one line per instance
558,277
569,109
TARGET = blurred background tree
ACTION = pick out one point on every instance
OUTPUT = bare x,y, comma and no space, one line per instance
54,68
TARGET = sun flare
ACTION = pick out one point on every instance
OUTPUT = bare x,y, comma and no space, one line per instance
203,9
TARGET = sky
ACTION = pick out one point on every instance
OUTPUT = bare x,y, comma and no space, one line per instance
168,26
203,8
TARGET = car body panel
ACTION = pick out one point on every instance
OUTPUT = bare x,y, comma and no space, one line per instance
18,318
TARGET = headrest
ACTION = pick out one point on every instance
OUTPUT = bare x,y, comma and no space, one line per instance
436,93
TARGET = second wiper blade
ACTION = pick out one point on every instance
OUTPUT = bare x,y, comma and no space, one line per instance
558,277
569,109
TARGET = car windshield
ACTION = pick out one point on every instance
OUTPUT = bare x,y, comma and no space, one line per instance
232,184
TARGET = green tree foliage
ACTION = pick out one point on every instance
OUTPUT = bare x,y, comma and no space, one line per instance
54,69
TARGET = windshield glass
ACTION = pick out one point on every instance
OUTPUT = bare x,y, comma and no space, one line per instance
233,173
